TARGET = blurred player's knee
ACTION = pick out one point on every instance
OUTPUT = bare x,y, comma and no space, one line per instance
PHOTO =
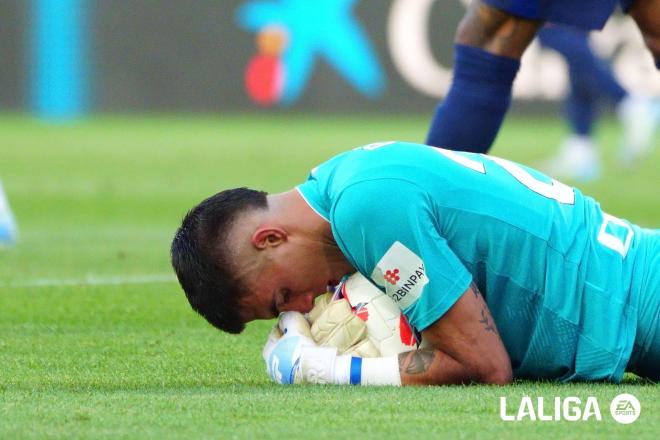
495,31
489,45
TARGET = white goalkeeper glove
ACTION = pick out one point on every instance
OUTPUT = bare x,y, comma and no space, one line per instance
283,349
292,357
335,325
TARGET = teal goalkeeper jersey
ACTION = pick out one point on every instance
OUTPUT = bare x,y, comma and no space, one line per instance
556,271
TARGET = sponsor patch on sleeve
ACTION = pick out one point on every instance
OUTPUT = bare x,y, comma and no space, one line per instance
402,274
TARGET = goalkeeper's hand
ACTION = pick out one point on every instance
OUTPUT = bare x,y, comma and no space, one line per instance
284,348
335,325
292,356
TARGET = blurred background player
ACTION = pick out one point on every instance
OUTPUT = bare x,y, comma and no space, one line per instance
592,81
7,222
490,40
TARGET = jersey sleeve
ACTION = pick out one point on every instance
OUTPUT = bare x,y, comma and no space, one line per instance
388,228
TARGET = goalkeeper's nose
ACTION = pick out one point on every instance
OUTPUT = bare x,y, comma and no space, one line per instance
302,303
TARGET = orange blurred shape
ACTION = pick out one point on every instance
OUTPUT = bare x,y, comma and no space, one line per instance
272,40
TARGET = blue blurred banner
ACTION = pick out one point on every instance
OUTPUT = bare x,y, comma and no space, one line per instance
58,42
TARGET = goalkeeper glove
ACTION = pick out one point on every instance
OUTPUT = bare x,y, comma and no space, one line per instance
292,357
283,349
335,325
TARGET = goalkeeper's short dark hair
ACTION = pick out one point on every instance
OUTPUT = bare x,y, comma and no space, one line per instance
200,256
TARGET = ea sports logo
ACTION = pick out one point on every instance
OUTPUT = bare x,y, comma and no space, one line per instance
392,276
625,408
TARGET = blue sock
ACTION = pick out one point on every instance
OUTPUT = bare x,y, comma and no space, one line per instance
580,112
588,73
471,115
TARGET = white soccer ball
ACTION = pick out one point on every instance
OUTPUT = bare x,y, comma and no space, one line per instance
387,328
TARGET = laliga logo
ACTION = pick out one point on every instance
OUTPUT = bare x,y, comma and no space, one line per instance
569,409
625,409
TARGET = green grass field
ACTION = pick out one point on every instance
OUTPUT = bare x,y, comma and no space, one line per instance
98,341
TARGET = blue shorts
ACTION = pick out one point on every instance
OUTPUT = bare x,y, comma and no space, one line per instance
584,14
645,358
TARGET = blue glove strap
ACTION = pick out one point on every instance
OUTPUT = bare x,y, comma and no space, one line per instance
356,370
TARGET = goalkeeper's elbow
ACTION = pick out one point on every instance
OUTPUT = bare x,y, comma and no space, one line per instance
502,375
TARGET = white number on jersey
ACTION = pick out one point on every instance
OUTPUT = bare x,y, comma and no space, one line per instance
374,146
463,160
555,190
614,242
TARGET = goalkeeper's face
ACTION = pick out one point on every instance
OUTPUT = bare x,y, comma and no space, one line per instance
280,287
287,277
283,258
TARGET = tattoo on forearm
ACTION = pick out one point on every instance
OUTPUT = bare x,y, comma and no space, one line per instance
488,323
416,361
486,318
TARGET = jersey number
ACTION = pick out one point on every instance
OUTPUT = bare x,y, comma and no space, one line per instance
555,190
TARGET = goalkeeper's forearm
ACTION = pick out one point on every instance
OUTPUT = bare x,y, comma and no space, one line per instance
417,367
433,367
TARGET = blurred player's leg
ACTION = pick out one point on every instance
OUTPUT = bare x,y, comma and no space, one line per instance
490,40
578,159
489,44
7,223
591,80
639,116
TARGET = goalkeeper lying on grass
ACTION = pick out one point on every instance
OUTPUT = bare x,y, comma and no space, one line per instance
505,272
